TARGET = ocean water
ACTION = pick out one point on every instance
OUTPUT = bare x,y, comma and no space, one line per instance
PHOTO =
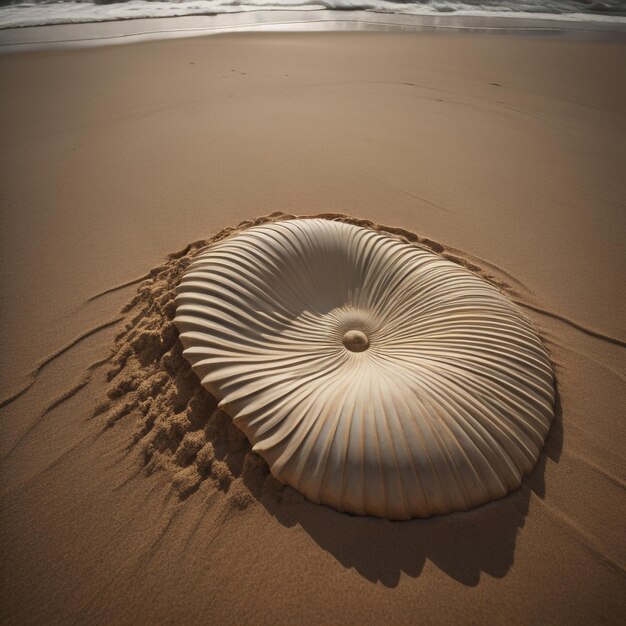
16,13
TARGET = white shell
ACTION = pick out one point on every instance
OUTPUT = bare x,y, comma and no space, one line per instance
447,407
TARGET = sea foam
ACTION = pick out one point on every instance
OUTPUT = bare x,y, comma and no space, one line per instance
40,12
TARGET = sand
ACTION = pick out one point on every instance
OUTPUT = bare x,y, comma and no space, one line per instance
506,151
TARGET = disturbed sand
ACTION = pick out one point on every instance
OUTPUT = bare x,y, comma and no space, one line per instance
505,151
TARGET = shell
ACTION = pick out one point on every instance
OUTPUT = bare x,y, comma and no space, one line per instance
445,408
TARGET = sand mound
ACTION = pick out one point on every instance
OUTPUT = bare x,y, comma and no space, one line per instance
180,428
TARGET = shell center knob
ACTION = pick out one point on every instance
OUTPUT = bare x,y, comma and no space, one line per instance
356,341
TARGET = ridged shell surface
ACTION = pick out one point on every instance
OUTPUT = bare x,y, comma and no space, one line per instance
372,375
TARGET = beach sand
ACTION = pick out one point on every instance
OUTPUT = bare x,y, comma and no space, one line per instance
507,151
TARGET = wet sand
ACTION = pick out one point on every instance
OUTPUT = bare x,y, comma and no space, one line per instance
506,151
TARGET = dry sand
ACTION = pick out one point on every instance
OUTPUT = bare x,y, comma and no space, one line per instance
505,150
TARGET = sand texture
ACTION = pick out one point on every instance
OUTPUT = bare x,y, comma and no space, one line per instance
128,496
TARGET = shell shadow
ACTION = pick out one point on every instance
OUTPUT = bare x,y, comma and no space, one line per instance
460,544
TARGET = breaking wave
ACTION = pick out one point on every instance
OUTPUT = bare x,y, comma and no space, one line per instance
15,13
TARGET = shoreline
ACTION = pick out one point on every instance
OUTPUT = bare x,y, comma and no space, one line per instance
135,30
